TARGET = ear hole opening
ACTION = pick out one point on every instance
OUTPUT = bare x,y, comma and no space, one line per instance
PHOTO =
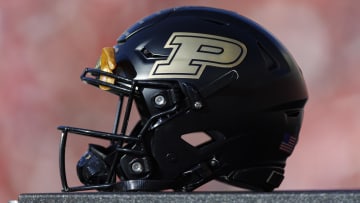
196,139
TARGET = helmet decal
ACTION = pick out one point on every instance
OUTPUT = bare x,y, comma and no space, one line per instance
192,52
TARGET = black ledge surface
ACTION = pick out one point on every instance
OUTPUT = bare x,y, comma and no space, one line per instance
196,197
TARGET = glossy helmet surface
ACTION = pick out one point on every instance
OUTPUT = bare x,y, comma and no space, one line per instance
189,70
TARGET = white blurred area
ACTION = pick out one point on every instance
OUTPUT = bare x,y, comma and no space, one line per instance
45,45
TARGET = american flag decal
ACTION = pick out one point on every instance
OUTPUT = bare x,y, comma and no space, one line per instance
288,143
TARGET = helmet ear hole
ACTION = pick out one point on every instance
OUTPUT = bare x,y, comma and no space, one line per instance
196,139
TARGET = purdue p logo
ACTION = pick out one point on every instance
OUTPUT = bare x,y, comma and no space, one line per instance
193,52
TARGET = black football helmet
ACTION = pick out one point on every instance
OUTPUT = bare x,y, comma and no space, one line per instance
189,70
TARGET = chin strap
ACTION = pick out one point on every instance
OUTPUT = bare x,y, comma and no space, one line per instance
257,178
189,180
144,185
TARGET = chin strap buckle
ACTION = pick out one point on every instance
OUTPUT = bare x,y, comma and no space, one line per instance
257,178
199,175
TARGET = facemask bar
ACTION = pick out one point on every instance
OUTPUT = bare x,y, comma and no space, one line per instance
112,176
117,139
97,134
121,86
107,136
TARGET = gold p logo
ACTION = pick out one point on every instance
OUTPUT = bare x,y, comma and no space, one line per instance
192,52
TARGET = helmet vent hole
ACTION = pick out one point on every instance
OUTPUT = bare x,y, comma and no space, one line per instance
270,62
216,21
292,113
196,139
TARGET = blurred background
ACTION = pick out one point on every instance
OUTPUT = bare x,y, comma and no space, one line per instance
45,45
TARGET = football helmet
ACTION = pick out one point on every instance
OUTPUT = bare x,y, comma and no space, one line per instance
192,70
